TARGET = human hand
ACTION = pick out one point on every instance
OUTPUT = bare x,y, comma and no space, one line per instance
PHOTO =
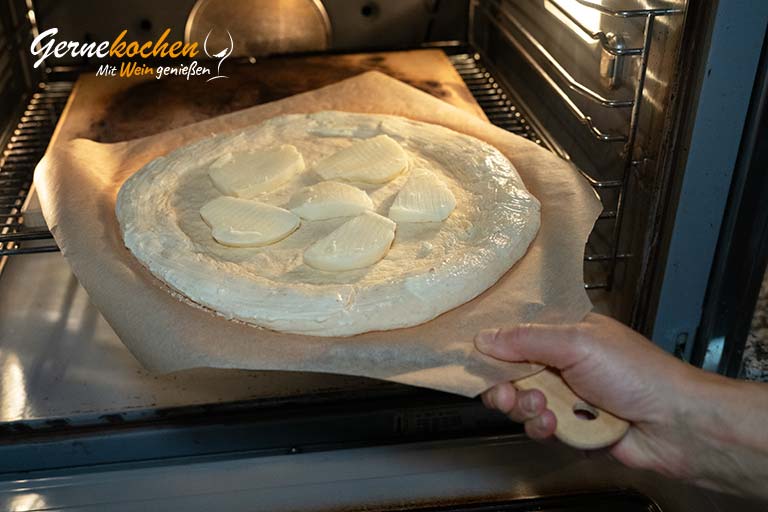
617,369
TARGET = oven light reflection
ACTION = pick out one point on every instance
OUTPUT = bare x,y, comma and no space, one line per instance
26,502
655,86
13,392
587,16
31,14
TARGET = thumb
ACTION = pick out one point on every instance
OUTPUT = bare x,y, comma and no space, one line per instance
552,345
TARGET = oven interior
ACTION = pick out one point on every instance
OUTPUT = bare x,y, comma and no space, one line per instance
553,71
590,81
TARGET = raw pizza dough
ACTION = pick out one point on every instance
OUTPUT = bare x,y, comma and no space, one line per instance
430,268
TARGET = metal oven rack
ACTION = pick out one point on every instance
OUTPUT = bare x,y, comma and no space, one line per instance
23,151
516,34
24,133
495,101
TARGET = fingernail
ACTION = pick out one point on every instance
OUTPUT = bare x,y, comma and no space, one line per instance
485,339
529,403
539,422
492,398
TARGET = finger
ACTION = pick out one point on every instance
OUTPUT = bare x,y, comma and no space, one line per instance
504,397
553,345
519,405
529,404
542,426
486,398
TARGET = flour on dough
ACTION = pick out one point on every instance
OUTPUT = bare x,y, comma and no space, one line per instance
430,268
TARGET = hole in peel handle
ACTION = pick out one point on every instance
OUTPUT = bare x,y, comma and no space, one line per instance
579,424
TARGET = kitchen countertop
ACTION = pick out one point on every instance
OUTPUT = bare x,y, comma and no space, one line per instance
755,362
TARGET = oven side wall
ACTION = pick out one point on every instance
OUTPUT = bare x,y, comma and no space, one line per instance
719,62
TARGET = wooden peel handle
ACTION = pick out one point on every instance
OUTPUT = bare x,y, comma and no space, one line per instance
579,424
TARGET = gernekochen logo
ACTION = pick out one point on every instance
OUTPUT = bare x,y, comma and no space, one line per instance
221,55
133,54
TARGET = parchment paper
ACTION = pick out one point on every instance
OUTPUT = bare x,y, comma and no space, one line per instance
77,183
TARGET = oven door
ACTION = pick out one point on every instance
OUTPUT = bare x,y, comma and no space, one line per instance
477,474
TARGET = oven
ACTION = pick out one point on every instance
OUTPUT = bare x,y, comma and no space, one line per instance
659,104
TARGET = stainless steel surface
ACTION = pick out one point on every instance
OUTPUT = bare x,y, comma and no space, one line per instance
609,44
397,477
611,62
608,40
60,359
260,27
608,67
574,84
632,8
356,24
361,24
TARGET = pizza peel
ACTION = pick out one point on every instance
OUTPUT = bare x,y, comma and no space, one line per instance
579,424
78,180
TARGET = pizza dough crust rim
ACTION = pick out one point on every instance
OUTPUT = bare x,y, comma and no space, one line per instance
333,309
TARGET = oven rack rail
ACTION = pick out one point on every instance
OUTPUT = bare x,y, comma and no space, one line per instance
22,152
499,106
498,15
